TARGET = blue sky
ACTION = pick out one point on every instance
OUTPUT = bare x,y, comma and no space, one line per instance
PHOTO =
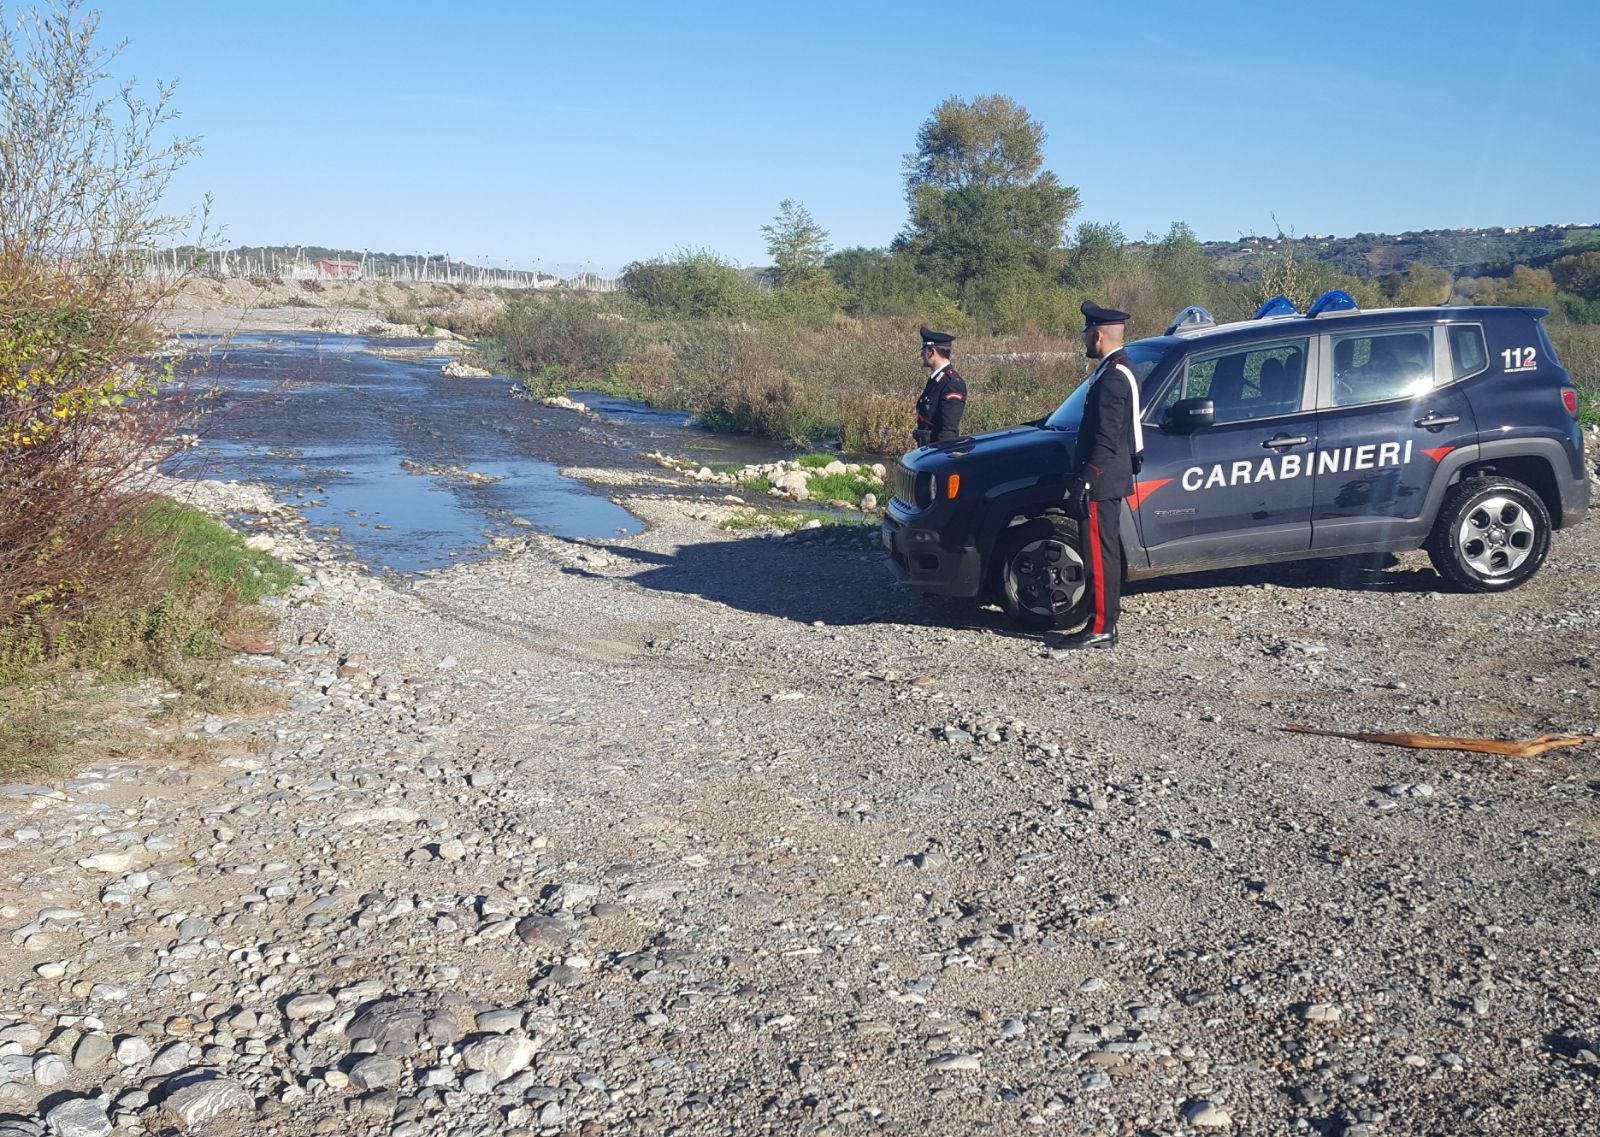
569,134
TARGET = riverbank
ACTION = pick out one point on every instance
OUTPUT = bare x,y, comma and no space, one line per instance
704,829
212,307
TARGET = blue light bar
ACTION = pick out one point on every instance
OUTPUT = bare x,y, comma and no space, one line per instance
1333,300
1193,316
1277,306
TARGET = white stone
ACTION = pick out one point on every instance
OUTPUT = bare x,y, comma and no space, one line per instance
502,1055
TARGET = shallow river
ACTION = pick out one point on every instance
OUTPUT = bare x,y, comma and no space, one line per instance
414,470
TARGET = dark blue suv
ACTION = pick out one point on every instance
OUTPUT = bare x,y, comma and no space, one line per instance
1285,437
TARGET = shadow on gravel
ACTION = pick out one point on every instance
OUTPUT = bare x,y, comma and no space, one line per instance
826,579
1348,574
802,579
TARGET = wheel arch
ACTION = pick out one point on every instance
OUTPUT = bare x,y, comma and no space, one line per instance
1532,470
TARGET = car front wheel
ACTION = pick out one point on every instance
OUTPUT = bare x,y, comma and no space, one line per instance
1041,574
1491,535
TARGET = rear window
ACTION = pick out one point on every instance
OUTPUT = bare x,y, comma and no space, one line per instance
1468,356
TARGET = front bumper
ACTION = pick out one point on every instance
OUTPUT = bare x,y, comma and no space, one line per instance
920,559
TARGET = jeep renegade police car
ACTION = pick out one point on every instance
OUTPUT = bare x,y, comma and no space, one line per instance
1284,437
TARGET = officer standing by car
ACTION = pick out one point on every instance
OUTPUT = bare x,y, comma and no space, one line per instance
1109,444
945,397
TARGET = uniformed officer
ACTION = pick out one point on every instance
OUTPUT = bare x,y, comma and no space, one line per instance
945,397
1106,460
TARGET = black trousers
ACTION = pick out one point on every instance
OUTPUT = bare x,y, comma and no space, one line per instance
1101,550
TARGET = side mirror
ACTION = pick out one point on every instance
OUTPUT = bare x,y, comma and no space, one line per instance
1189,414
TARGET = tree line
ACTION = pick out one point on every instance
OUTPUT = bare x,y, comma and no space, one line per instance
989,246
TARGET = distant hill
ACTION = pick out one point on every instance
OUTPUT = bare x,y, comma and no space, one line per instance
1465,252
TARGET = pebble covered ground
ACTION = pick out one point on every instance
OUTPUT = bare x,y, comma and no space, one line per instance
705,832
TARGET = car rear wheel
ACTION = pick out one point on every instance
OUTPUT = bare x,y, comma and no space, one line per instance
1491,535
1041,575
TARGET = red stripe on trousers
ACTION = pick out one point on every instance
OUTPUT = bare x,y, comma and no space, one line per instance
1099,569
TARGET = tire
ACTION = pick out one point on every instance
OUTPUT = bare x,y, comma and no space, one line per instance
1041,581
1491,535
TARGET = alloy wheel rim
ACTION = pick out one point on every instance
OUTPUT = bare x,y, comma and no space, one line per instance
1496,536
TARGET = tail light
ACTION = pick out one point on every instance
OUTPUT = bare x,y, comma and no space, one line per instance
1569,399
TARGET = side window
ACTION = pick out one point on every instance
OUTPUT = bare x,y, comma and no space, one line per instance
1256,383
1381,366
1467,353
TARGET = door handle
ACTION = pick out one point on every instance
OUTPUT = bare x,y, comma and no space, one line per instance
1281,441
1431,421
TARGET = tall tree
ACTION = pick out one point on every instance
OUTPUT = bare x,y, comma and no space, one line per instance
980,205
797,245
1097,257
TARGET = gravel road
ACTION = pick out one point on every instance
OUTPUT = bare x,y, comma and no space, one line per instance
711,833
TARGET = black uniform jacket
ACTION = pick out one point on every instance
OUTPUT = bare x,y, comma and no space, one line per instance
939,409
1105,440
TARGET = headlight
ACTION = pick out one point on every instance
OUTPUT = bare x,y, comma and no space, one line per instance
924,490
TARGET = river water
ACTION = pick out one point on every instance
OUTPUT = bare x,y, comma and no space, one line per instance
409,469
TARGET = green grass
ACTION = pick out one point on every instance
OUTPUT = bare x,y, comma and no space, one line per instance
842,487
815,461
206,554
760,483
786,519
189,586
35,729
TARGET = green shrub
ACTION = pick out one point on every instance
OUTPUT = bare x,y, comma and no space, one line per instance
565,337
185,583
695,283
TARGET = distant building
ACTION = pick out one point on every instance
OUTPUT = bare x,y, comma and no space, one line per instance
337,270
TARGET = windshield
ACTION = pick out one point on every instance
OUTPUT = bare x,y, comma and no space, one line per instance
1143,357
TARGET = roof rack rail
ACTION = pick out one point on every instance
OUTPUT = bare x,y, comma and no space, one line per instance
1193,316
1333,300
1276,308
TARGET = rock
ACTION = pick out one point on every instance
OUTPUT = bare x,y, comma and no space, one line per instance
49,1070
199,1102
374,1072
302,1007
795,484
381,815
455,369
132,1050
952,1062
110,862
404,1028
171,1059
542,929
92,1049
1205,1115
501,1055
1319,1013
78,1117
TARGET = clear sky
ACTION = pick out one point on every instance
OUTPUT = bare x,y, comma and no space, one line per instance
576,134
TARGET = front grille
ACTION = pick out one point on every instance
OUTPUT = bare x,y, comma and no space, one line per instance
905,486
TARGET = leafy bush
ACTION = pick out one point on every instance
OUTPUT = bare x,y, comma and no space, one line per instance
184,584
564,339
695,283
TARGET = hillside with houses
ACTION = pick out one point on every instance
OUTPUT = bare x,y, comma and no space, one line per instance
1464,252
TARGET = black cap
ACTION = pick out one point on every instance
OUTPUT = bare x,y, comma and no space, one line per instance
1094,315
936,339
